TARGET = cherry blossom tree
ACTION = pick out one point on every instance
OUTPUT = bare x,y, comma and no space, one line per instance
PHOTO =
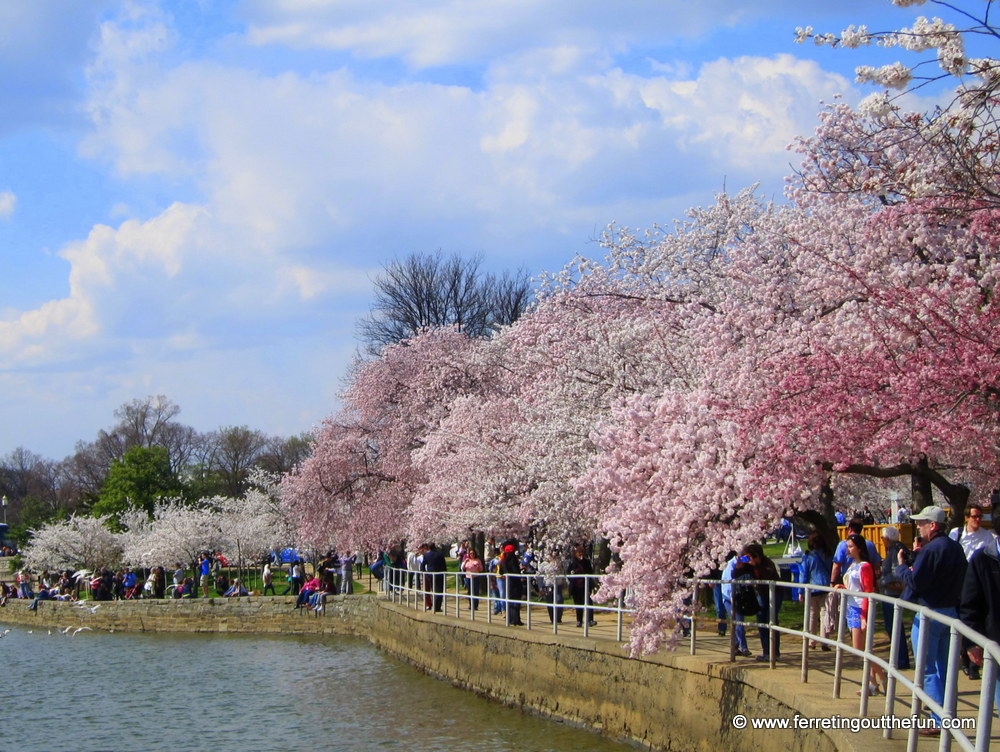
253,524
703,380
76,543
177,532
355,489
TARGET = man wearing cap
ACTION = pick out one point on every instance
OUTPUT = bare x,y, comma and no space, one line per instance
931,582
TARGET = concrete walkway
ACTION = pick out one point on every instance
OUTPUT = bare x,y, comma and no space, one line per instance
814,698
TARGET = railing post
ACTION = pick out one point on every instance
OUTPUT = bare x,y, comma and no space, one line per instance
920,658
986,707
621,614
950,702
527,601
866,661
806,624
839,661
556,614
693,625
772,621
890,681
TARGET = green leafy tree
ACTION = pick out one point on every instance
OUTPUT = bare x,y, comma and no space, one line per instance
138,480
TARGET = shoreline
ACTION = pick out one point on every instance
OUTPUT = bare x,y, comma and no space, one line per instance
670,700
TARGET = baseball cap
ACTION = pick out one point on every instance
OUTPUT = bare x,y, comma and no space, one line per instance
931,514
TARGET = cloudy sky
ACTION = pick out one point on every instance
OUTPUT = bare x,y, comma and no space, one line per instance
196,194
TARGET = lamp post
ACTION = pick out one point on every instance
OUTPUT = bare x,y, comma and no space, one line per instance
3,501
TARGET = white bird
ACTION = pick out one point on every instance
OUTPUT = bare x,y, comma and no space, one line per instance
92,609
64,631
80,629
5,633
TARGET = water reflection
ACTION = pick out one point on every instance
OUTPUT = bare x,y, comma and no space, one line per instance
121,692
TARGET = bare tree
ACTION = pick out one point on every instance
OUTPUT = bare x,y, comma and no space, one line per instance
235,450
282,455
424,291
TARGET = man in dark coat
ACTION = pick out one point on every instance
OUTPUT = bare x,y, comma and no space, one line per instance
979,607
434,563
932,582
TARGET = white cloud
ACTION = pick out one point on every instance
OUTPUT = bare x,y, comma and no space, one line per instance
743,112
8,202
308,179
297,184
442,32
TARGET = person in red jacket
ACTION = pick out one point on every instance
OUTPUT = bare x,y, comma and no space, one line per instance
860,577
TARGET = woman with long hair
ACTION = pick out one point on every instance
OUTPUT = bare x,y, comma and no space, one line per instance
860,577
473,568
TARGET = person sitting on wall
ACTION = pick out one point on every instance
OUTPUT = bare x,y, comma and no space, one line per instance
185,589
317,601
236,590
307,590
43,594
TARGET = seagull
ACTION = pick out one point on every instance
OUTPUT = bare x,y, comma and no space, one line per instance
80,629
92,609
64,631
6,632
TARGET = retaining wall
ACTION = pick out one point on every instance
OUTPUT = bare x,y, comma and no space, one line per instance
275,615
670,701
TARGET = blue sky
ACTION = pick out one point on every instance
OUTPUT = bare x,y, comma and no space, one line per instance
196,194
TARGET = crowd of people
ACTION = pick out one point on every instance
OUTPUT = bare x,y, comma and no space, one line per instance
509,574
208,576
954,573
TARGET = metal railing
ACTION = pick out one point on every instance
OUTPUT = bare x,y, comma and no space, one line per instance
482,596
488,589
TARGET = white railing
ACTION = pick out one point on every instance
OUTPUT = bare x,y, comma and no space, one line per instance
485,589
446,593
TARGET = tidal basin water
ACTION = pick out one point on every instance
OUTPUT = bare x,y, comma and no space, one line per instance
100,692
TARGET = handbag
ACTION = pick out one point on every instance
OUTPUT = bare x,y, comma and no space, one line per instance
745,600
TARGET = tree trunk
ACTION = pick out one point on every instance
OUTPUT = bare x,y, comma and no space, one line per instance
921,490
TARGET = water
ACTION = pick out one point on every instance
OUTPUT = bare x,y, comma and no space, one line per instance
99,692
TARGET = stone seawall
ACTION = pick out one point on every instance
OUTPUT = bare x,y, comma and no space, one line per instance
276,615
670,701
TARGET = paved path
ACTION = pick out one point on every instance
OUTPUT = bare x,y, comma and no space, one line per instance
813,698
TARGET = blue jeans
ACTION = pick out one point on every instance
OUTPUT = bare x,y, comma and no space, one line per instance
763,617
500,605
902,652
936,665
720,608
738,629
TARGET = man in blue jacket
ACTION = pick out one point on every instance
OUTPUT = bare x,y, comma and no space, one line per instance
931,582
